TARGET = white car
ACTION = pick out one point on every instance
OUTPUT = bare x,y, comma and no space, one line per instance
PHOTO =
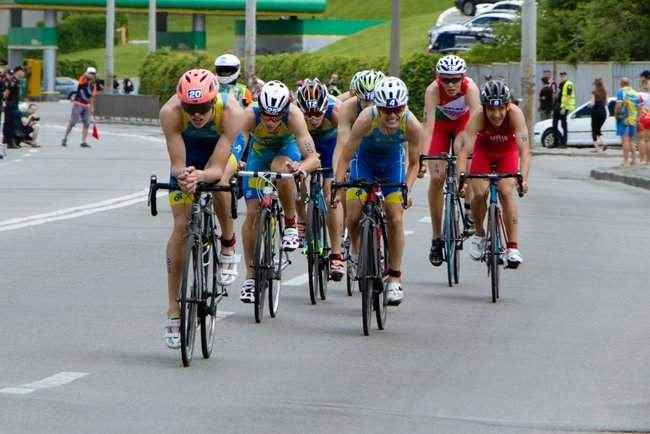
479,25
507,6
579,126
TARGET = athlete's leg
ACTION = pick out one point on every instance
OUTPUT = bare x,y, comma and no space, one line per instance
395,228
509,206
176,250
334,220
248,235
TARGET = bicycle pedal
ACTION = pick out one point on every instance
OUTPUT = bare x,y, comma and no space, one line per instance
512,265
394,303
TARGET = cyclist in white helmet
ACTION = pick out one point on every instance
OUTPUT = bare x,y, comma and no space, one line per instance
449,101
227,68
280,141
381,138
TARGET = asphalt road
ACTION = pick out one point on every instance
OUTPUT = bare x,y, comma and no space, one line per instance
82,297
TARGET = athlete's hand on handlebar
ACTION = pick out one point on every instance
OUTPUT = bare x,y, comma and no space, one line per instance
295,168
188,179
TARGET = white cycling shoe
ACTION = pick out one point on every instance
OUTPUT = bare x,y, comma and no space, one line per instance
229,271
513,258
172,333
394,293
290,240
476,247
247,294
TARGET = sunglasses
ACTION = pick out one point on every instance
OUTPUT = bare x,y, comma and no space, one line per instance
451,80
197,109
275,118
391,110
313,114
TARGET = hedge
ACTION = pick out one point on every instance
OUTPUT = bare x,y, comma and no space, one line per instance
160,71
73,68
84,31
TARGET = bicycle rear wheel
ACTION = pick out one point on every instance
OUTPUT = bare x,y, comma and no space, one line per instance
365,275
190,286
208,308
262,265
275,262
380,298
494,251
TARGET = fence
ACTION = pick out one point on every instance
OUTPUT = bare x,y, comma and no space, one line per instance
582,75
129,108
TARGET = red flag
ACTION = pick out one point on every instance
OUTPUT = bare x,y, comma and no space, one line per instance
95,133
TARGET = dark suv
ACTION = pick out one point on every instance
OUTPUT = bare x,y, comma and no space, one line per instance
468,7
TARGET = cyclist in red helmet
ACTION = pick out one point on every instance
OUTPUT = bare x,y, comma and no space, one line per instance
200,126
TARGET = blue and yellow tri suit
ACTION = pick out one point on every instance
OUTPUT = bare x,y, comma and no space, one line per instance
199,146
265,146
325,138
381,157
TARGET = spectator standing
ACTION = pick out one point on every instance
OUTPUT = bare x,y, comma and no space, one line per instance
627,114
565,102
83,106
644,120
598,114
546,97
332,85
116,86
127,86
12,114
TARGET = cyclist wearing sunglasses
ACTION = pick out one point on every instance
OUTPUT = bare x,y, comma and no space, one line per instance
280,141
448,103
497,136
200,125
377,151
321,113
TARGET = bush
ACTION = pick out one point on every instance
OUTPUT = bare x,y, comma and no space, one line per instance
84,31
160,71
73,68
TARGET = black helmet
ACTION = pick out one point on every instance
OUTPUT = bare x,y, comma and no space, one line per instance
495,93
312,96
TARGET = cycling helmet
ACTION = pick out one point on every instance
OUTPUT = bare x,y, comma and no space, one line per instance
495,93
365,83
227,67
312,96
451,65
391,92
197,86
274,98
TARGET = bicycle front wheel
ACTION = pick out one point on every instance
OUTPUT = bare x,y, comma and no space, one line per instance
275,261
494,250
262,263
350,274
190,286
449,238
312,253
323,262
380,297
211,269
366,275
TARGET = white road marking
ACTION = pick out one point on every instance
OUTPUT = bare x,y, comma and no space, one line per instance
54,381
222,314
19,160
75,212
409,232
105,132
426,219
298,280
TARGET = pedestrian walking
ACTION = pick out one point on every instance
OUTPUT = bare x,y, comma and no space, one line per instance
83,106
644,120
627,115
565,103
598,114
546,98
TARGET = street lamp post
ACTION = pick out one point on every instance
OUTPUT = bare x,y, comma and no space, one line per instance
152,26
528,61
110,34
394,40
249,41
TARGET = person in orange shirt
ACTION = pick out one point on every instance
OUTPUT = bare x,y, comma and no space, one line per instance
83,106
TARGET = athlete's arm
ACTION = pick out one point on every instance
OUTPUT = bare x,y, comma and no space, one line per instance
415,137
334,119
344,118
467,147
518,122
170,122
359,130
298,127
232,124
431,100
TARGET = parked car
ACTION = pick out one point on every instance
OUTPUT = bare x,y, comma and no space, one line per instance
508,6
66,86
468,7
473,31
579,125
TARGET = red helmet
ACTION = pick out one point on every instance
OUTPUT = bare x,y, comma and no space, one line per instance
197,86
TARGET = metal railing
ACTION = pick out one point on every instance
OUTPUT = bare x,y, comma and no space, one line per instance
127,108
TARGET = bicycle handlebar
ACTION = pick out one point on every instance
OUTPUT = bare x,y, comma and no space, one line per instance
201,187
493,177
367,186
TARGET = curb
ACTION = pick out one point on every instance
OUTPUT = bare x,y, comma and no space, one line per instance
635,181
573,154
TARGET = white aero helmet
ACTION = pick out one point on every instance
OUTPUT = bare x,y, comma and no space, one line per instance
391,92
274,98
451,65
227,68
363,83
